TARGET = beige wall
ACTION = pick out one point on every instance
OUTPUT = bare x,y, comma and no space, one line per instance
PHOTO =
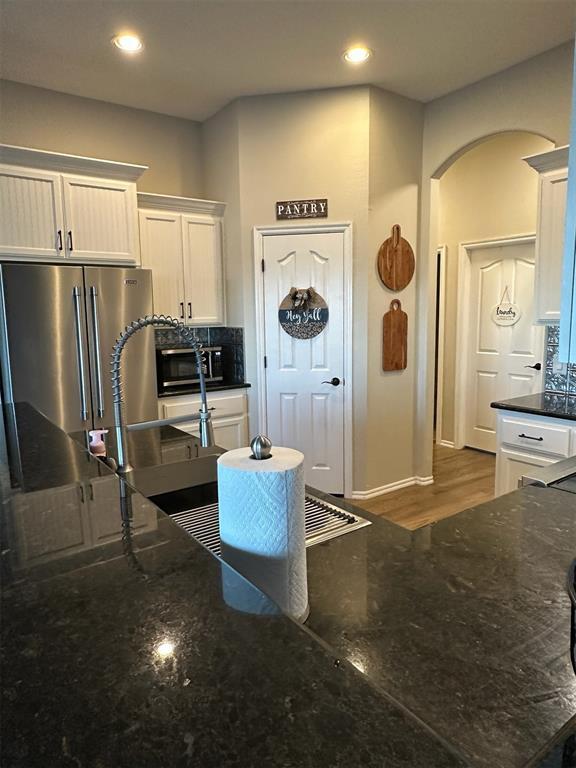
395,164
221,181
489,192
43,119
533,96
360,147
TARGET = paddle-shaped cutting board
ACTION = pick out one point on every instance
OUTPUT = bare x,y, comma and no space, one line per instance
395,338
396,261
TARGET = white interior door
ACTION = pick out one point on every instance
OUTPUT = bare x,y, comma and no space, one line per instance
304,410
499,357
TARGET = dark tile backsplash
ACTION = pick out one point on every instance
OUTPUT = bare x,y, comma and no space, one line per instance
557,382
230,339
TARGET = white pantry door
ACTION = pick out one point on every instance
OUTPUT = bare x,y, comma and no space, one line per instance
499,357
304,409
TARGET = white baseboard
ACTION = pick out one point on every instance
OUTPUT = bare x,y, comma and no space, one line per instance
396,486
447,443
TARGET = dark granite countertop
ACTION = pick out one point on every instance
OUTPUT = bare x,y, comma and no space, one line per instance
195,390
541,404
465,622
120,650
442,647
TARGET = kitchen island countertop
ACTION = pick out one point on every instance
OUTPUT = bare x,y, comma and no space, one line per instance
558,406
121,646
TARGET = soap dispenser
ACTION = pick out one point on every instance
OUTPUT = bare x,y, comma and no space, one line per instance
97,445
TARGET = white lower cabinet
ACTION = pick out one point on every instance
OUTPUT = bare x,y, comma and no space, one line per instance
526,441
68,519
229,415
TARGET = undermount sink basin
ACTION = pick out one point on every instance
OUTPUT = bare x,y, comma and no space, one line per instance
176,476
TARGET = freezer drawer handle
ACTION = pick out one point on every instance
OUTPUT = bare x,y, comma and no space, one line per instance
96,326
80,354
529,437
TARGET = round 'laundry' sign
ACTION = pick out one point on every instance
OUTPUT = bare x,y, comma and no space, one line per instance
303,313
506,313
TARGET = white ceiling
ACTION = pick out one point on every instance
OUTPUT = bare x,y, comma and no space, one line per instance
201,54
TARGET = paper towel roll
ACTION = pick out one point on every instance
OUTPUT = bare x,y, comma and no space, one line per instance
262,532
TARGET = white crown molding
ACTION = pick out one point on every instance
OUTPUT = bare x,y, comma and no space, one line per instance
552,160
56,161
180,204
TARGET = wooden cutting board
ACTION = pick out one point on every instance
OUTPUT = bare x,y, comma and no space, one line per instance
395,338
396,261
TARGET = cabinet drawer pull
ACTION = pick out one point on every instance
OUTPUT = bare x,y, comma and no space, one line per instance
70,244
189,310
182,310
59,239
529,437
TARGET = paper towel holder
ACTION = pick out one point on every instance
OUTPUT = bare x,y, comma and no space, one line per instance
261,448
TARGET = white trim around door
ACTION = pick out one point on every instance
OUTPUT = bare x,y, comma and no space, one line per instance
463,323
441,300
259,233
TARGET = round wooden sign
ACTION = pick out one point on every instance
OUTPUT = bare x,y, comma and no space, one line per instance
506,313
396,261
303,313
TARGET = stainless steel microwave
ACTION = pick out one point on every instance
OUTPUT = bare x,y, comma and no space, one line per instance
177,368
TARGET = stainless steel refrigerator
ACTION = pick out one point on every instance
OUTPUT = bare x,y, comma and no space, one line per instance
58,325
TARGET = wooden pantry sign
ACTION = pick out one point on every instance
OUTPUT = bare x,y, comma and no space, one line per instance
302,209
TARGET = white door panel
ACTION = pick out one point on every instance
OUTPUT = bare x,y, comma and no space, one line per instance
498,356
303,411
31,220
101,219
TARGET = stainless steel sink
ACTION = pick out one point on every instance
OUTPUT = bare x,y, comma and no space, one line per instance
176,476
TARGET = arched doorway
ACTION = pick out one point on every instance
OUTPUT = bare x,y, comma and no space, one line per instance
483,191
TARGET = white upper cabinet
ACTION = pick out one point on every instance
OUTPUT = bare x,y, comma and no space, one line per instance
101,219
552,168
203,282
161,248
181,241
56,206
31,217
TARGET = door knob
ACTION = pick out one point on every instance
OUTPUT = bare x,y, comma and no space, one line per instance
335,381
536,366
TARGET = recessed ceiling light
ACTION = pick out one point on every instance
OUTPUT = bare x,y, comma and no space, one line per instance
358,54
128,43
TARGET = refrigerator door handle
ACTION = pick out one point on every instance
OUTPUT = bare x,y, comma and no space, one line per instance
96,330
80,354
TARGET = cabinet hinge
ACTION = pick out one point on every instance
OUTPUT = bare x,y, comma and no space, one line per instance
263,265
265,362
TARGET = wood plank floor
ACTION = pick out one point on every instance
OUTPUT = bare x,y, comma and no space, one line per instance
462,479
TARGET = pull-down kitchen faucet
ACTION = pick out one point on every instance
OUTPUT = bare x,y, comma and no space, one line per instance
206,431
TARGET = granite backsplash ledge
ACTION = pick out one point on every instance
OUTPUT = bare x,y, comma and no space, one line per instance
230,339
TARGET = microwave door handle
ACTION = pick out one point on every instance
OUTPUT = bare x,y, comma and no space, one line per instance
97,357
80,354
